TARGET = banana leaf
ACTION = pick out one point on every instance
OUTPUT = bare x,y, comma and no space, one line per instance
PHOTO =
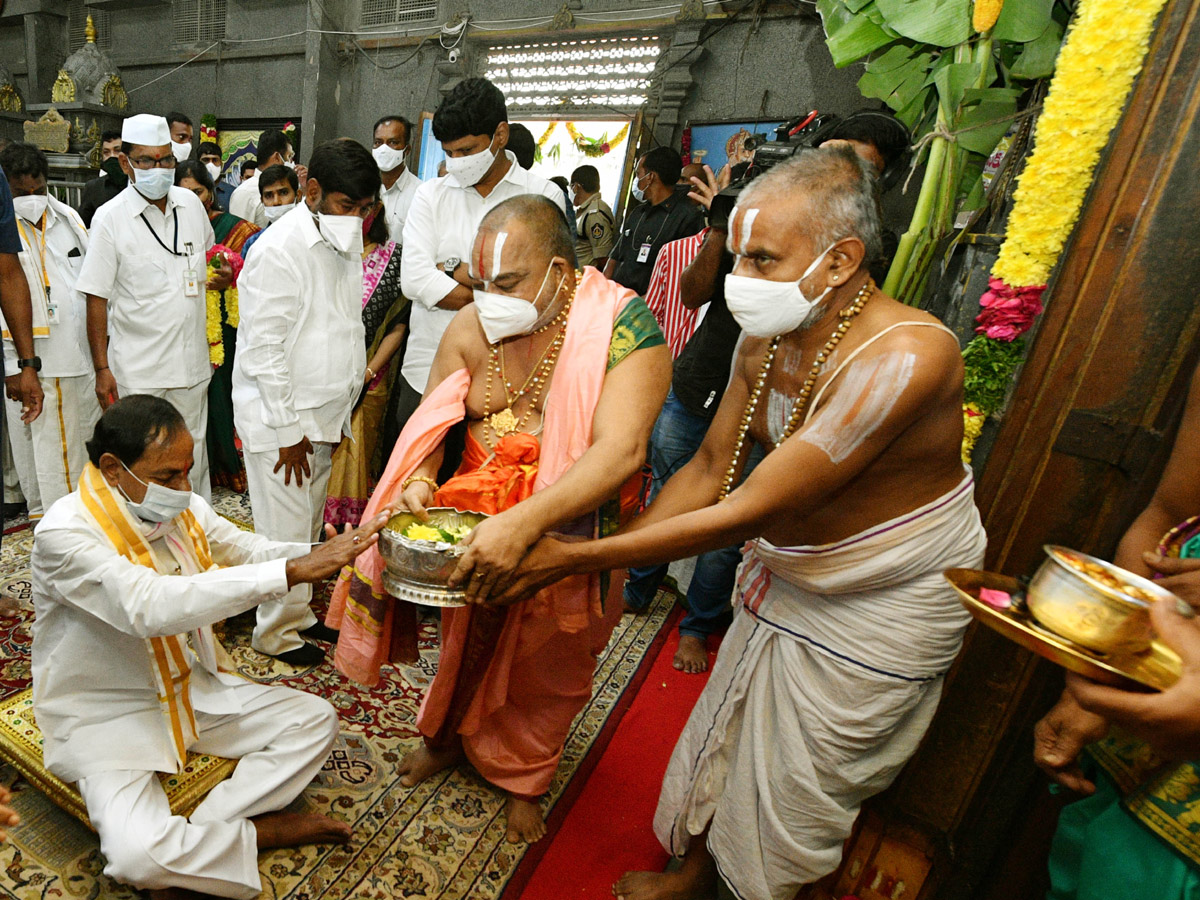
1022,21
1038,56
850,37
943,23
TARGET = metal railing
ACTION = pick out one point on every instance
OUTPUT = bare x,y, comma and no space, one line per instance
69,192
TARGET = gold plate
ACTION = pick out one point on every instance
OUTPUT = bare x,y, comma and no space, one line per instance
1157,668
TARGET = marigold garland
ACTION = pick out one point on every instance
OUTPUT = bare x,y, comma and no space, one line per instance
593,147
1099,60
212,306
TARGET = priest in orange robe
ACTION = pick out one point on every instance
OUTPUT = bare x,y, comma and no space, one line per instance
559,376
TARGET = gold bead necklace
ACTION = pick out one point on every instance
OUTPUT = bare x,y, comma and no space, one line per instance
504,421
800,404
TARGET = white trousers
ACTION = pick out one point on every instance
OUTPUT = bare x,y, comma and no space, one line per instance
282,738
50,453
285,512
192,404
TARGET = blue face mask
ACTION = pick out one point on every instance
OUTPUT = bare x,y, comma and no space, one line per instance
161,504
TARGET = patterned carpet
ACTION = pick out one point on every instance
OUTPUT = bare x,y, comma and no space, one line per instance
442,840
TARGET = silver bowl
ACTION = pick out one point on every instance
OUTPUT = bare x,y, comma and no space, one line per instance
417,571
1087,610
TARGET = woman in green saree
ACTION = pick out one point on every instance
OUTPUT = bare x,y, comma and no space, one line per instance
225,464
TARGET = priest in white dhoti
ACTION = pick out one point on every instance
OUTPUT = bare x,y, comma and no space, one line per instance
301,359
144,276
129,572
49,452
844,627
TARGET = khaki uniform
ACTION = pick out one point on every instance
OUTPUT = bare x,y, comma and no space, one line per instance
597,231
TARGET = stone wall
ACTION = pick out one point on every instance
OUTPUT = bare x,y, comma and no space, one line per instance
776,64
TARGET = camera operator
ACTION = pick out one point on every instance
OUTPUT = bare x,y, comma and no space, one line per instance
665,216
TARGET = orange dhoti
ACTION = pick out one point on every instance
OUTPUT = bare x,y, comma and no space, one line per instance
511,680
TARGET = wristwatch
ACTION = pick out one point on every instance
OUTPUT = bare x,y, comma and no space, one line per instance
450,265
34,362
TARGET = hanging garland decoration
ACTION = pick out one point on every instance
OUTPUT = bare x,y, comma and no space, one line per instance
212,304
593,147
1099,60
596,147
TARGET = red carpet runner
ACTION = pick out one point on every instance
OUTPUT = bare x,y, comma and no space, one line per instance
607,831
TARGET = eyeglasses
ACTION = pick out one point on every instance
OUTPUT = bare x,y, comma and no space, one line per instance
149,162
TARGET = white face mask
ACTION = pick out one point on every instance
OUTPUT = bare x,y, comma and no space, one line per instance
161,503
181,151
504,317
214,170
638,194
290,163
343,233
153,184
276,212
767,309
32,207
468,170
388,157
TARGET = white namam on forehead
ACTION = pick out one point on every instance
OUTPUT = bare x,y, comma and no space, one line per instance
497,250
861,402
742,219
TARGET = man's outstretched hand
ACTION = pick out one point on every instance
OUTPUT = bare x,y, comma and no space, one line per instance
546,562
337,551
1169,721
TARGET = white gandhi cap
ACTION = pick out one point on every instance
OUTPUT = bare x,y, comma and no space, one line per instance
147,130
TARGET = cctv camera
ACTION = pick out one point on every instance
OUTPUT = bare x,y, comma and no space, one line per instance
454,55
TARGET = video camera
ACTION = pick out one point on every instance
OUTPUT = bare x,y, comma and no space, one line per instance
808,132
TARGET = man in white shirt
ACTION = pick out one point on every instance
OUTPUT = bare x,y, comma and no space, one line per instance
274,149
144,277
301,357
129,572
390,140
472,126
49,452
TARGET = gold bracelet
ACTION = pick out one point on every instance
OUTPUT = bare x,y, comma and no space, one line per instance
429,481
371,372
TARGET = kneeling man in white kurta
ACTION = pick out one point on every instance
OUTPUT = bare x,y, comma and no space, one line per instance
129,572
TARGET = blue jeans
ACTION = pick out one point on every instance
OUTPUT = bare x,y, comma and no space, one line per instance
676,438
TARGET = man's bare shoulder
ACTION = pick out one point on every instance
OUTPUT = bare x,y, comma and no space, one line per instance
932,342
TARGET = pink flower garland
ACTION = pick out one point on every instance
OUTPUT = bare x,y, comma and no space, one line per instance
1008,312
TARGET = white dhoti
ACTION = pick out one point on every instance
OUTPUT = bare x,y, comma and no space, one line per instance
285,512
281,736
822,690
192,403
49,453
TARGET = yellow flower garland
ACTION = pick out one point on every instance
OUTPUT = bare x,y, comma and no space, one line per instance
216,340
585,145
1099,60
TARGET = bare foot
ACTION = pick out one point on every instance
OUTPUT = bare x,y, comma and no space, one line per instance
425,761
661,886
692,655
289,829
525,822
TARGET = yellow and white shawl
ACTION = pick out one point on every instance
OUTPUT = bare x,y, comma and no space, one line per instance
168,655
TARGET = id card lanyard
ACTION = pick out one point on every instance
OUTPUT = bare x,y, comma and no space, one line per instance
51,308
191,279
644,252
